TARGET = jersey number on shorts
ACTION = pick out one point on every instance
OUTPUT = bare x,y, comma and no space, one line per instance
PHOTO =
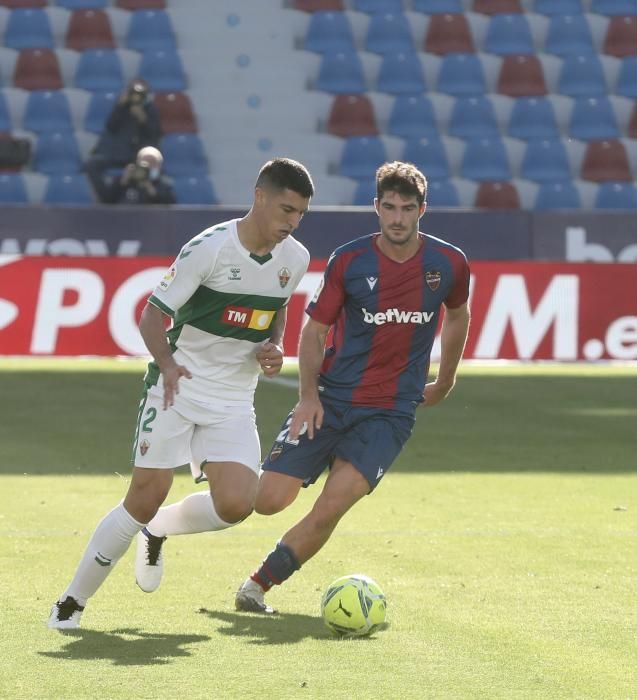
283,435
151,414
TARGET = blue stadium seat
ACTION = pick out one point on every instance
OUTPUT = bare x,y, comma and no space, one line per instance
557,195
194,190
184,155
361,156
557,7
461,74
593,118
616,195
569,35
365,192
5,115
99,107
439,7
28,28
163,71
56,153
83,4
442,193
545,160
329,32
47,110
341,73
472,117
99,70
614,7
428,154
626,82
582,76
485,159
389,33
508,35
532,118
401,73
373,6
68,189
150,30
412,116
13,189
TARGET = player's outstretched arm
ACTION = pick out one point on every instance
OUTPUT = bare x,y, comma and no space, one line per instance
455,328
151,327
309,410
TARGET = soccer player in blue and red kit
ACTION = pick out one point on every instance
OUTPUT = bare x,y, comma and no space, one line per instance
382,295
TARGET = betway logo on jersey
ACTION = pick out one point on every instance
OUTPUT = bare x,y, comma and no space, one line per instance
397,316
247,318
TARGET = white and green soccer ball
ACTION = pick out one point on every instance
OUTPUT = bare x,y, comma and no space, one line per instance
353,606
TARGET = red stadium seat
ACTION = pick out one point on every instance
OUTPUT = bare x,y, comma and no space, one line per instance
318,5
497,195
89,29
352,115
606,161
497,7
38,69
175,112
621,37
448,33
521,76
141,4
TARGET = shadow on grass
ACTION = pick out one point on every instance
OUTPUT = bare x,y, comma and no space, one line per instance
125,647
269,629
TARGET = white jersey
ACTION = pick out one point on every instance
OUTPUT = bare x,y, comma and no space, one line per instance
223,301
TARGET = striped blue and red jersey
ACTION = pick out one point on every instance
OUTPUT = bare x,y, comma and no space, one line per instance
384,316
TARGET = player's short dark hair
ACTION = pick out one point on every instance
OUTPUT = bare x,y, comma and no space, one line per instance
286,174
404,178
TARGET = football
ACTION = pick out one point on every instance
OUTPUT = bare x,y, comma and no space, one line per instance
353,606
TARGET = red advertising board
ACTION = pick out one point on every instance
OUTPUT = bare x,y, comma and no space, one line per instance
531,310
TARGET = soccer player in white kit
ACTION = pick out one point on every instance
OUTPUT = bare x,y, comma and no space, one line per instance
226,295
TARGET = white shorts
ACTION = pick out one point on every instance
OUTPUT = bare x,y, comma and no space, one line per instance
192,433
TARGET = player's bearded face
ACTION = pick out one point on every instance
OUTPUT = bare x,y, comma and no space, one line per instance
399,217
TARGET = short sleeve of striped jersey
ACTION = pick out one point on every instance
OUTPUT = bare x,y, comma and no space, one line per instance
328,302
459,293
191,267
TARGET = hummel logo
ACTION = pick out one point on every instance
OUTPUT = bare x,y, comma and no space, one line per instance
371,281
381,471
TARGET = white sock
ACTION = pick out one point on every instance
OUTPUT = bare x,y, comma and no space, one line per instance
196,513
109,543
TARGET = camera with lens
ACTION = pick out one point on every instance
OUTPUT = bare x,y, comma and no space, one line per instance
141,173
137,93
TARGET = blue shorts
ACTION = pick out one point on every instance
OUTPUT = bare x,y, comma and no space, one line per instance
368,438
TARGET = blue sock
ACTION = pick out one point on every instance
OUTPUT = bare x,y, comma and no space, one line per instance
278,566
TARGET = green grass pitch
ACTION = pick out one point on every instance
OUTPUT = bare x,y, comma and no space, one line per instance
503,537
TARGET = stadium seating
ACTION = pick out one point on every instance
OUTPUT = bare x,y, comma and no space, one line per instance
473,117
616,195
37,69
47,110
352,115
569,35
430,155
442,193
557,195
509,35
6,121
497,195
557,7
521,76
389,33
68,189
141,4
614,7
329,32
341,72
448,33
318,5
461,74
175,112
100,70
83,4
150,30
194,190
545,160
485,159
362,155
89,29
13,189
99,107
582,75
163,70
184,155
412,116
532,118
621,37
374,6
57,153
606,161
497,7
28,28
401,73
626,83
592,119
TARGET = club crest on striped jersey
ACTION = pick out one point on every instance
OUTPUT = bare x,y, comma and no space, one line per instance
432,278
284,276
244,317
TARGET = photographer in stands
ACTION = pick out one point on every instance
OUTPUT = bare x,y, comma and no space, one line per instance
141,182
132,124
